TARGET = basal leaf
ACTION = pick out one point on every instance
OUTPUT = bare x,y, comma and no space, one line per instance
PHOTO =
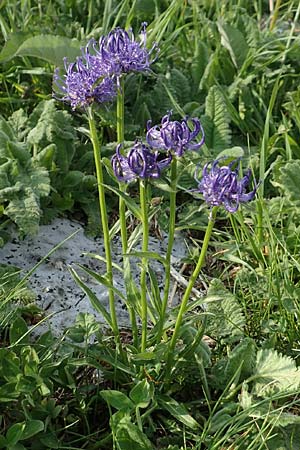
14,41
216,121
47,47
130,437
275,373
225,316
289,180
142,393
233,40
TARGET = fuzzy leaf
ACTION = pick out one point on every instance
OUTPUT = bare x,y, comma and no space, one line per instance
275,373
225,317
47,125
289,180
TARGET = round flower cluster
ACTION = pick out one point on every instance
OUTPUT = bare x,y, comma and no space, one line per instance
165,141
221,186
94,76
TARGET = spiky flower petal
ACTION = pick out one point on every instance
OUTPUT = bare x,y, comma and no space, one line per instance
174,135
85,81
141,162
123,53
220,185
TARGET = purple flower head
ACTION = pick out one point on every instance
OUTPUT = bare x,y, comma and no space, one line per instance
175,135
123,53
85,81
141,162
121,167
221,186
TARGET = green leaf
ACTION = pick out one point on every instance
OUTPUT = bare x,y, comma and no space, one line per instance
289,180
8,392
117,400
47,47
233,40
142,393
129,436
230,154
275,373
216,121
92,297
23,430
10,364
72,179
101,280
178,410
84,327
18,331
14,41
148,255
237,365
225,317
48,125
31,428
199,63
132,206
14,433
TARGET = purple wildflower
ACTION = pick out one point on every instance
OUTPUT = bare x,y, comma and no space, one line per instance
121,167
175,135
123,53
221,186
141,162
85,81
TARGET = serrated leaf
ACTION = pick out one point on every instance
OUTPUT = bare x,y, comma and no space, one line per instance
48,125
275,373
216,121
225,317
289,180
44,46
237,366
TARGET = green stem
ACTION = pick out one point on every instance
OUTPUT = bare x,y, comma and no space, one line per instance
122,217
145,225
189,287
173,185
102,205
275,14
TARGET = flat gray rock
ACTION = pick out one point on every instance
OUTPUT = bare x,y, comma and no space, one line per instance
56,291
